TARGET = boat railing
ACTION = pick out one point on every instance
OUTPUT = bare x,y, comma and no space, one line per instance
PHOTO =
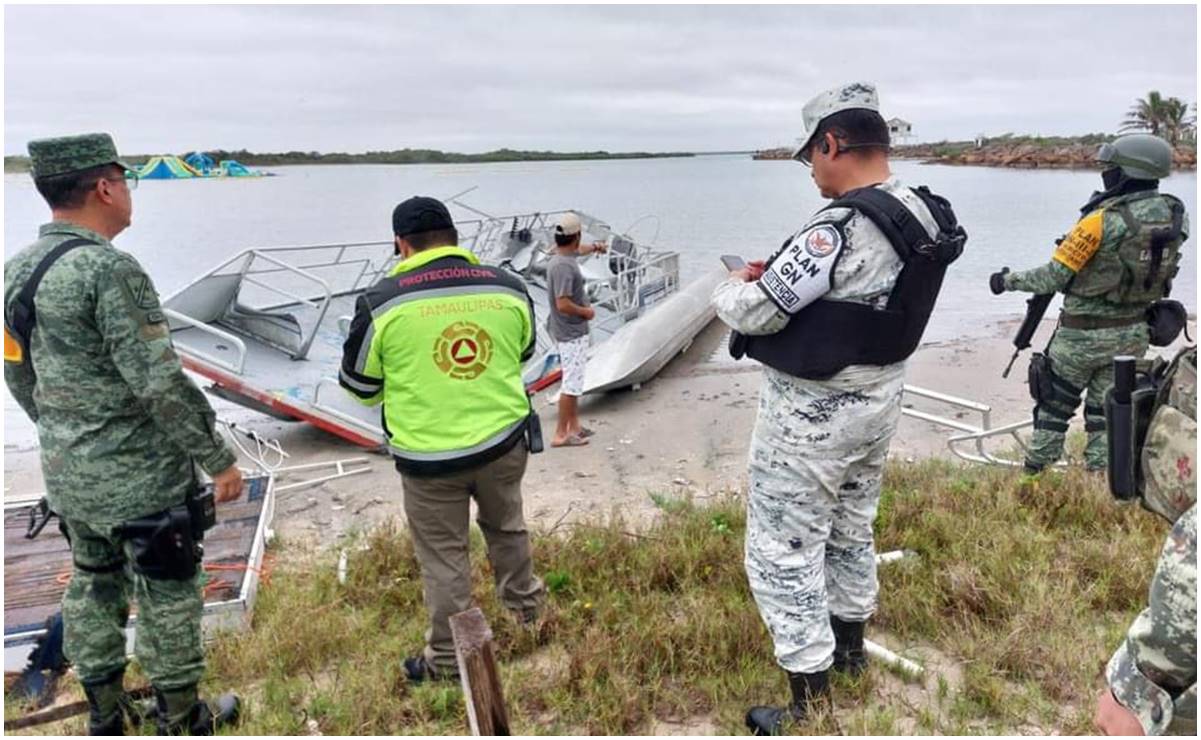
638,284
243,293
974,435
321,401
239,363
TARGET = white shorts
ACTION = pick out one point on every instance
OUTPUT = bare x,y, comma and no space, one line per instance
573,358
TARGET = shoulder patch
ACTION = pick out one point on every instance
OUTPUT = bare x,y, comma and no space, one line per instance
1078,247
141,292
822,241
801,273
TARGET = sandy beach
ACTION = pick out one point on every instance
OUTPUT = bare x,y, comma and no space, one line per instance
684,433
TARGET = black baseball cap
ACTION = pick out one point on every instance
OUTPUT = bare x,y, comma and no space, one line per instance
420,213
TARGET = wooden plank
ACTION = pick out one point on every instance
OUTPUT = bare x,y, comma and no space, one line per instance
55,714
486,713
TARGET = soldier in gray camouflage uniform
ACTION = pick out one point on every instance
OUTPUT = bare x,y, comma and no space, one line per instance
1107,269
119,426
819,446
1153,675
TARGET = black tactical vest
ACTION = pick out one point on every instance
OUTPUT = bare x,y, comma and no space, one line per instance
828,335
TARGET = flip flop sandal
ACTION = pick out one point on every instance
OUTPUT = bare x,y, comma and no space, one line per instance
571,441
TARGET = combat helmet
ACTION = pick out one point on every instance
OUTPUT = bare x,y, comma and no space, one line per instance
1139,156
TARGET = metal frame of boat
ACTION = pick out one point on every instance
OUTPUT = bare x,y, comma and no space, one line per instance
228,613
970,436
281,357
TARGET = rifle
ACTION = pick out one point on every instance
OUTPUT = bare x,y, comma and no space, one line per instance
1036,306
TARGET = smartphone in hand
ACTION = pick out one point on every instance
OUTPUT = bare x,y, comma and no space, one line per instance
733,262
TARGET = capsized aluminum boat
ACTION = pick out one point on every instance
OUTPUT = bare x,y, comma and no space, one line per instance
267,325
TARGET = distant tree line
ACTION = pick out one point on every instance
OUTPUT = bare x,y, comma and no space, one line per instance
426,156
399,156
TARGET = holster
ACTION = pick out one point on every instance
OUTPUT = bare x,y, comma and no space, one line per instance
168,545
1038,377
163,545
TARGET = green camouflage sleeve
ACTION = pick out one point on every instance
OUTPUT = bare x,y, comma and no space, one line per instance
20,380
1049,278
135,331
1155,669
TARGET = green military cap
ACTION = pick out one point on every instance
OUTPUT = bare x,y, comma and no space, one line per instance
66,154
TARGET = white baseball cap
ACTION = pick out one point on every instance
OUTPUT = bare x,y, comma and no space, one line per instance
569,224
825,104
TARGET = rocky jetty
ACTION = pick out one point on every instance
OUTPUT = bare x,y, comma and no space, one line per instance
780,153
1025,154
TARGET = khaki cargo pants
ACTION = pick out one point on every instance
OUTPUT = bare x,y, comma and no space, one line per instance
438,510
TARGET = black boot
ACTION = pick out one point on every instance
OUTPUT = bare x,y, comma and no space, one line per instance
808,689
104,705
137,711
849,657
180,712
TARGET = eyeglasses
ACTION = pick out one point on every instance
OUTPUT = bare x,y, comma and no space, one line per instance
130,177
805,156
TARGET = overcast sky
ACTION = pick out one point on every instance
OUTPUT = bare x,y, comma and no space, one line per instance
622,78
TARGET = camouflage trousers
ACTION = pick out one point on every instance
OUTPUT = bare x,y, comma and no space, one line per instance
816,460
1151,671
96,609
1082,360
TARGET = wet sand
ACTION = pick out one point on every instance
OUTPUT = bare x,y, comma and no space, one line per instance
684,433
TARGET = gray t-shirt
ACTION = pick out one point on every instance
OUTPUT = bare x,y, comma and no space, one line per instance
563,278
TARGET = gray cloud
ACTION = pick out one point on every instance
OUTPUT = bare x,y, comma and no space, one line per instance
358,78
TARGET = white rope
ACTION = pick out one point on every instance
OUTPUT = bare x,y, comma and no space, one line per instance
263,448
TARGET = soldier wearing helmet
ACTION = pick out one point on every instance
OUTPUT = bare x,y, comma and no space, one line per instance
1113,267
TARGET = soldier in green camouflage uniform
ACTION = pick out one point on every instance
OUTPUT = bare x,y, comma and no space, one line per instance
119,426
1105,269
1153,675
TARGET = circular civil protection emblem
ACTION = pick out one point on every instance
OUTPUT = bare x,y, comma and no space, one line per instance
821,241
463,350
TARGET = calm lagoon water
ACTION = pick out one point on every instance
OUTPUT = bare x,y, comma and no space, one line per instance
701,206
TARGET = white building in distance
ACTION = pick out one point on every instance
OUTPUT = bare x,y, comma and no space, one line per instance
899,130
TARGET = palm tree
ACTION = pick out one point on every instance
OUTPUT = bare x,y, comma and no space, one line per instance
1147,114
1176,120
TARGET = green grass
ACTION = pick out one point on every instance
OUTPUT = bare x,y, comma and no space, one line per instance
1024,586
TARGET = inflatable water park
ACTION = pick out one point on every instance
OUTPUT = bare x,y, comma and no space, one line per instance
196,164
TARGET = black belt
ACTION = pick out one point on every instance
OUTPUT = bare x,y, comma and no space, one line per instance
1073,321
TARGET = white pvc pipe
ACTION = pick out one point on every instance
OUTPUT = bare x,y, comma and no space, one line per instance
894,555
882,653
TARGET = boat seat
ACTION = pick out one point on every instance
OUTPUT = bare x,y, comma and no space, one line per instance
277,329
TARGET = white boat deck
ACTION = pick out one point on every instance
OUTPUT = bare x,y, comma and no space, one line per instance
282,358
